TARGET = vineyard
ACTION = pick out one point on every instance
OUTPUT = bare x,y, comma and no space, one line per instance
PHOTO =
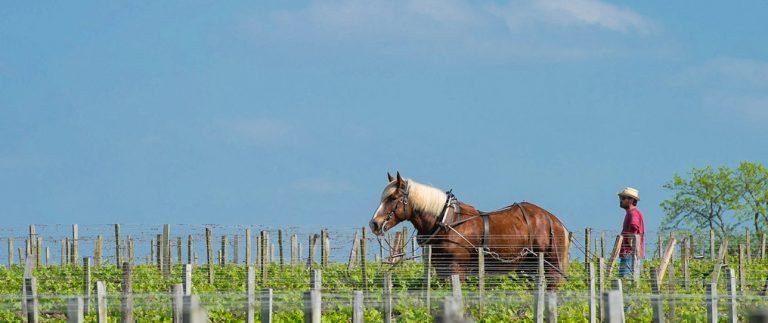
391,279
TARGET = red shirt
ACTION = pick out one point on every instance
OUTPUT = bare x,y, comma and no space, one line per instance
633,224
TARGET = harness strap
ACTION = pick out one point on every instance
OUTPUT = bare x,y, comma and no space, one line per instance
527,223
486,228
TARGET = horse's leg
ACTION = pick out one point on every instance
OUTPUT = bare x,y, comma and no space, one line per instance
460,262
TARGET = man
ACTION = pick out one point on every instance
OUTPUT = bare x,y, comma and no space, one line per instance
633,225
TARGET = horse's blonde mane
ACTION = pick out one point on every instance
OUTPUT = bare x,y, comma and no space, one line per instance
424,198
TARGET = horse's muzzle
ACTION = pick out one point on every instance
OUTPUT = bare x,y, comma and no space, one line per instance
376,228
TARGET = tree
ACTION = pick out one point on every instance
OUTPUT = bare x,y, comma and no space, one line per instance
703,201
752,183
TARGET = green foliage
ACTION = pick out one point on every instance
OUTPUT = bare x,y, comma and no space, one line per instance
721,199
752,182
508,298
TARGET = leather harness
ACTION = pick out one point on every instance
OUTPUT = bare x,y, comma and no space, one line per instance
453,203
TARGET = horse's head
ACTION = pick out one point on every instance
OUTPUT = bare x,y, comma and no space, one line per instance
394,207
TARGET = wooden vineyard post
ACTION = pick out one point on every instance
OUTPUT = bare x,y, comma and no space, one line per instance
721,256
312,299
712,302
177,303
364,260
428,276
118,260
186,280
353,251
357,307
615,253
235,249
30,288
692,246
97,251
316,279
538,308
614,306
10,253
127,299
568,245
250,290
248,247
264,256
209,252
266,305
179,255
190,253
551,307
192,311
294,253
592,292
322,248
75,246
257,254
131,255
686,269
311,257
326,248
730,276
636,260
665,259
602,244
481,277
616,286
656,304
86,285
387,306
75,310
280,247
659,248
672,292
742,268
312,306
587,241
62,258
601,285
223,250
101,302
32,245
159,252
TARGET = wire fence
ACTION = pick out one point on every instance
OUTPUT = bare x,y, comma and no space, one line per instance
283,258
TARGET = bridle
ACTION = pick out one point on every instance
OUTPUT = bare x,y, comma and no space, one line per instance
402,200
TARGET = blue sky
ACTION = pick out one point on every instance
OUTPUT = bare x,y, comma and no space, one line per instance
291,112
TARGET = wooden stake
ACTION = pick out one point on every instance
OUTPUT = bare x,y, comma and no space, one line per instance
615,253
209,251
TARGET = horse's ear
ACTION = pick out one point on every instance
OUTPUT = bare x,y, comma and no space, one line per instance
399,178
390,178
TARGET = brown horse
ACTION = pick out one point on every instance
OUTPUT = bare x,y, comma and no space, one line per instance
511,237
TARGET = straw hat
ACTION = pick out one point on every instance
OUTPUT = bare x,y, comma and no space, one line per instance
631,192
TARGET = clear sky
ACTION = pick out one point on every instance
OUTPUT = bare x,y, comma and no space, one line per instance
291,112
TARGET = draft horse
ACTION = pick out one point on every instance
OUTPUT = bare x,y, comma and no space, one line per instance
511,238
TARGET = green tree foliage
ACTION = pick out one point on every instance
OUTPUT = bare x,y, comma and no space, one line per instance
719,199
752,182
703,201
